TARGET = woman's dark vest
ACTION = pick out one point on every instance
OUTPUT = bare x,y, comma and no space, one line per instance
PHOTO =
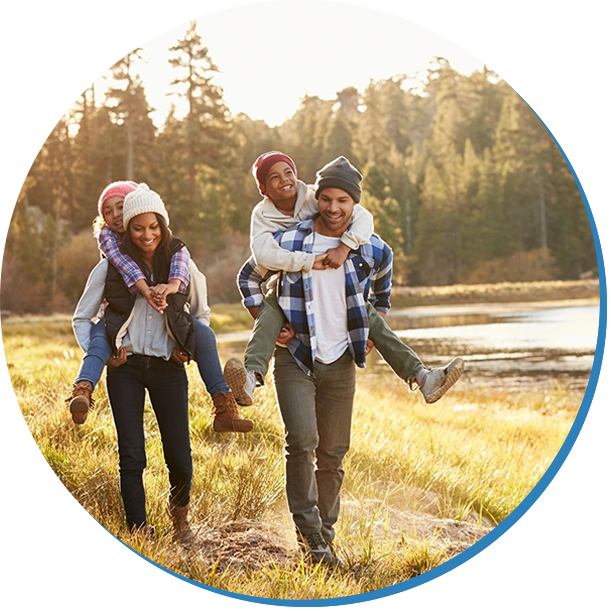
179,322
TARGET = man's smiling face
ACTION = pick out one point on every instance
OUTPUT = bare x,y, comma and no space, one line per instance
335,207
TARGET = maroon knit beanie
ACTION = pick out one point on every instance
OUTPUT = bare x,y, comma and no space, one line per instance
263,164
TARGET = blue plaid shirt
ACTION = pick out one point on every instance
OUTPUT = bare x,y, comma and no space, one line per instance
368,277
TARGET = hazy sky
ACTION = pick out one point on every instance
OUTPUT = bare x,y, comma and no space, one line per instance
272,54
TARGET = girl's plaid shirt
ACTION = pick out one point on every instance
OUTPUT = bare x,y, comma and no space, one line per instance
109,243
368,277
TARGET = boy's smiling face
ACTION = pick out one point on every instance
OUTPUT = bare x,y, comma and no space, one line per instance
281,184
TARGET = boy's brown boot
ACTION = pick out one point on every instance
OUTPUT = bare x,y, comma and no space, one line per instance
226,415
80,401
182,530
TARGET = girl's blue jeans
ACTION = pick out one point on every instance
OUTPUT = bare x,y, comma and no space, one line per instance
206,356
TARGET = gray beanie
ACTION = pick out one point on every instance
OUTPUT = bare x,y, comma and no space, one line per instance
341,174
143,200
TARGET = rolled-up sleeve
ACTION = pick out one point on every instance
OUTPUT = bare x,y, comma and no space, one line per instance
382,282
250,278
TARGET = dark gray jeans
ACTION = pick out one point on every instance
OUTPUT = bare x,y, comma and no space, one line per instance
317,415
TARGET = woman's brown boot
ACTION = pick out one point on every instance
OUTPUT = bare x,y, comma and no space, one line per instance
182,531
226,415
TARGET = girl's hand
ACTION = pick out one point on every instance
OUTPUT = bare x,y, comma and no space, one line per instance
178,356
163,290
156,303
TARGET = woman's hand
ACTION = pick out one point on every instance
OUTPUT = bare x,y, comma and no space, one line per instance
369,347
117,361
178,356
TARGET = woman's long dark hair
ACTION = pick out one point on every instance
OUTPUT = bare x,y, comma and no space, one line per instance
162,252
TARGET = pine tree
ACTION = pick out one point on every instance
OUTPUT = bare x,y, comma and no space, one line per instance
206,129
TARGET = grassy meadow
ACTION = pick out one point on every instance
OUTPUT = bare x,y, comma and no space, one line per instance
422,482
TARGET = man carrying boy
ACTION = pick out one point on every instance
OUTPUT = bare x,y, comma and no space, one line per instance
314,375
286,202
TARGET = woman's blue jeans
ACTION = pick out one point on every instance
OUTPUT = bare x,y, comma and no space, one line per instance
206,356
166,382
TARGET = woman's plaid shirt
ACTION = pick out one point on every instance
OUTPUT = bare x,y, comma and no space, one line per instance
368,277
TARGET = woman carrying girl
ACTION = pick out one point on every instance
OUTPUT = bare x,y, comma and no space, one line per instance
144,341
109,229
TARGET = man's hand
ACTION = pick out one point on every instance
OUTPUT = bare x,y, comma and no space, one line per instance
336,257
319,261
178,356
117,361
286,334
369,347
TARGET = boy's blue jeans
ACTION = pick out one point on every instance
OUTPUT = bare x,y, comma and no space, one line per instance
206,356
166,382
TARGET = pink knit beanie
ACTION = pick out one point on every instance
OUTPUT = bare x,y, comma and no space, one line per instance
120,188
263,164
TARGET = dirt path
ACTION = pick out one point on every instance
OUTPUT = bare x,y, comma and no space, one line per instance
256,544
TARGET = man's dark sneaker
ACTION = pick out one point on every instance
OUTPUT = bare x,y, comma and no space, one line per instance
317,550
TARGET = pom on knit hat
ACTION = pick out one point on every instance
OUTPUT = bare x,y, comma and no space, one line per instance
120,188
264,163
341,174
142,200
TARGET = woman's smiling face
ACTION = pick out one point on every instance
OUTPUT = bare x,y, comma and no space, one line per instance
145,231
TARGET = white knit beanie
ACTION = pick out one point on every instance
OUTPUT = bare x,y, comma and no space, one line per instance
143,200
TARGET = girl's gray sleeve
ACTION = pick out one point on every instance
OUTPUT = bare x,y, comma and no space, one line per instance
89,304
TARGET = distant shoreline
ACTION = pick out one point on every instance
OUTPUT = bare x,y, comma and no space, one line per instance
232,317
502,292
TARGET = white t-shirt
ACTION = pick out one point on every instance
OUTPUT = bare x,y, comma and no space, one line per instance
329,301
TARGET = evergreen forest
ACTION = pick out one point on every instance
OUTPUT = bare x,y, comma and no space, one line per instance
463,179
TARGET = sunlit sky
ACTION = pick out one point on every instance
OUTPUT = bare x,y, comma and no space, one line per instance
272,54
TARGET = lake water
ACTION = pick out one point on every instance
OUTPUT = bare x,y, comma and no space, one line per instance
505,345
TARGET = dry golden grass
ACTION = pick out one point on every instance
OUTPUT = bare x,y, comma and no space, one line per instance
422,482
